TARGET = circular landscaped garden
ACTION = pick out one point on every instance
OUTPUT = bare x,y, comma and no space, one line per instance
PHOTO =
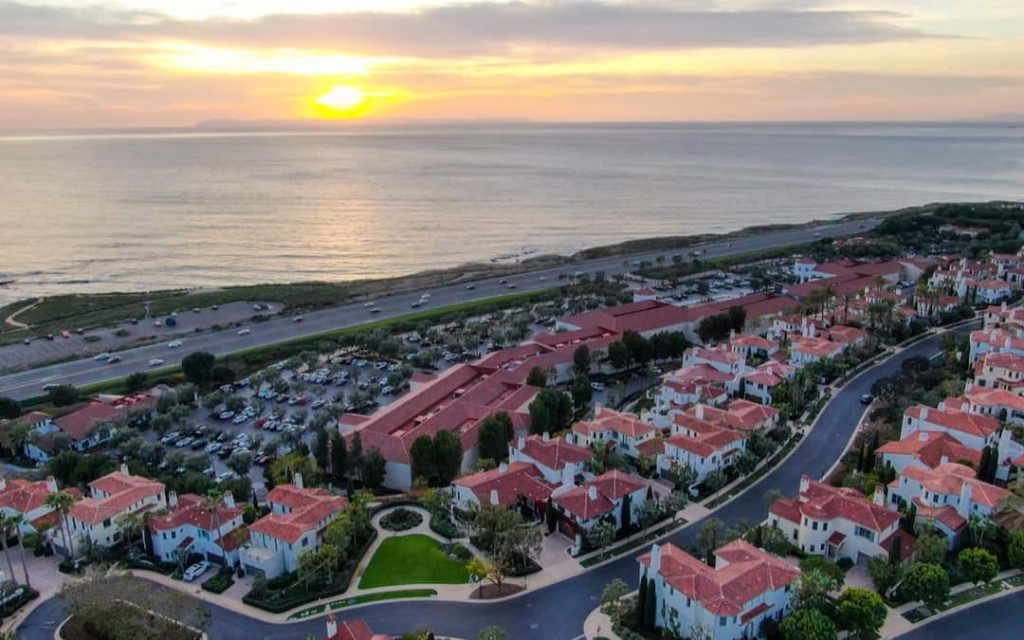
401,519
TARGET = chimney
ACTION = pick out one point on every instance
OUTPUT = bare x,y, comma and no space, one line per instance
922,436
332,627
51,484
494,497
965,498
124,468
521,444
597,409
3,483
924,413
879,497
732,334
297,481
592,492
944,459
805,484
502,468
655,560
546,437
700,412
229,500
172,500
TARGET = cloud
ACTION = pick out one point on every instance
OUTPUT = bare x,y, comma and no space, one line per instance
479,29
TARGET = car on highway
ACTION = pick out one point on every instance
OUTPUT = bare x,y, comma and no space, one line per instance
416,305
113,359
174,344
503,281
297,319
470,287
101,357
375,310
155,362
512,286
195,571
368,304
244,332
867,398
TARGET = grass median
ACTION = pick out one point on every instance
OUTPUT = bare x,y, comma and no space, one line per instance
363,599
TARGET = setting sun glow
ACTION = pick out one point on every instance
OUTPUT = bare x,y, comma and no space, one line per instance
341,101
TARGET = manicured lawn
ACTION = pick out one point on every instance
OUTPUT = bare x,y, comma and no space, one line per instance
414,559
363,599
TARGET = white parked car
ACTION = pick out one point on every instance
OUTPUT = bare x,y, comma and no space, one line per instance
100,357
174,344
155,362
244,332
195,571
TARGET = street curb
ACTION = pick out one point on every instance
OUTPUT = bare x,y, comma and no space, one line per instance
959,609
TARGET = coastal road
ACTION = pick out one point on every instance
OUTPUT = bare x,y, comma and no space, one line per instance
557,612
29,383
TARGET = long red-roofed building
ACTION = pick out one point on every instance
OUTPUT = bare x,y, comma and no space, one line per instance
730,600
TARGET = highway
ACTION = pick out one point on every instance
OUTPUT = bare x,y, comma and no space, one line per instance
557,612
29,383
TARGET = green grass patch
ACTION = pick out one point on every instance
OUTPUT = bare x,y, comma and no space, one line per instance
414,559
363,599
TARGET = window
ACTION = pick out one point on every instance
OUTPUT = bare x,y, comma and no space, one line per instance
106,523
814,526
824,526
721,621
864,533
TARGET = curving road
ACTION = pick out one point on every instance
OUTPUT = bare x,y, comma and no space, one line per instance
558,611
998,618
30,383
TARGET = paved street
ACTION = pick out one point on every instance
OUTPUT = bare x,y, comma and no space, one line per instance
558,611
27,384
996,619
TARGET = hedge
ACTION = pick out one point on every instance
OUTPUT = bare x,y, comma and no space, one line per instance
279,599
220,582
401,519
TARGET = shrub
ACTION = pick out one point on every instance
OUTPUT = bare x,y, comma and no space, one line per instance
401,519
220,582
844,563
444,527
457,552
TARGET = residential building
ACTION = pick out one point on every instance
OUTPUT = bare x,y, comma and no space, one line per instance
601,498
1000,371
351,630
624,431
558,461
969,428
296,522
27,498
191,526
946,496
700,444
927,449
804,351
729,601
518,485
94,518
999,404
835,522
995,340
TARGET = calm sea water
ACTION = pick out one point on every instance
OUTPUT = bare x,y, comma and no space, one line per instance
85,213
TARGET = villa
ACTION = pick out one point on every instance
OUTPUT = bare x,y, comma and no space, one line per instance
190,526
93,518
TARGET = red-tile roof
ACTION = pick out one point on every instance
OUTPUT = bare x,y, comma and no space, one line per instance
554,453
931,447
969,423
24,496
191,511
627,424
610,486
821,501
510,481
949,478
123,491
78,424
309,507
728,589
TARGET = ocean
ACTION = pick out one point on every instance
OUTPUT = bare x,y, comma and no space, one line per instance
137,211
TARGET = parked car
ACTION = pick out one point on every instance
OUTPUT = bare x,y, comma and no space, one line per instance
174,344
244,332
867,398
195,571
597,386
155,362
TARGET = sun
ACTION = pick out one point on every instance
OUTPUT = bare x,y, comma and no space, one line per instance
341,101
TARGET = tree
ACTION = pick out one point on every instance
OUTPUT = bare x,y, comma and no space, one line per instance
240,462
9,408
818,577
928,583
136,382
807,624
493,633
198,367
675,502
550,411
601,535
63,395
496,431
641,603
581,360
710,535
339,456
16,521
618,355
861,612
612,599
421,453
447,456
1015,549
978,565
715,480
322,448
283,470
5,533
626,513
884,574
130,524
61,502
537,377
581,392
373,469
930,548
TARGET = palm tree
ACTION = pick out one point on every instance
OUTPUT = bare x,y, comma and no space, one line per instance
61,502
211,503
5,532
16,521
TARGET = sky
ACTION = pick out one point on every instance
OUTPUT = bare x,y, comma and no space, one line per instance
136,63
